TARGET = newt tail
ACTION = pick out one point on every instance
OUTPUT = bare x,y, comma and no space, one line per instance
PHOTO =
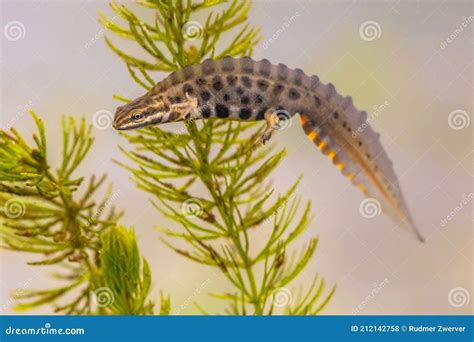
248,90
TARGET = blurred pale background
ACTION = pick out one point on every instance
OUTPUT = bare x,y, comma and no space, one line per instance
62,66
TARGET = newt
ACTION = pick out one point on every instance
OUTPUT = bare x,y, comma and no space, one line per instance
248,90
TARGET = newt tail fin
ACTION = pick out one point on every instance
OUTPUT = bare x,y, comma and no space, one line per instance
363,161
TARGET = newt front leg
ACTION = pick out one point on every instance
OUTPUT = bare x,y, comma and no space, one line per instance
272,120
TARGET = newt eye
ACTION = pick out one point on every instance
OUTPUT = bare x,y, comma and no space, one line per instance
137,117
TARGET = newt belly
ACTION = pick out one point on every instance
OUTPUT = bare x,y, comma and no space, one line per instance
248,90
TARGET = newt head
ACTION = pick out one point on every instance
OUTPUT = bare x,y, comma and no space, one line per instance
153,109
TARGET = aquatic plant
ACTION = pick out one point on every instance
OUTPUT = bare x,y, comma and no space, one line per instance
238,225
221,226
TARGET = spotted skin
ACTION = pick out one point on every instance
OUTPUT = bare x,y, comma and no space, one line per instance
247,90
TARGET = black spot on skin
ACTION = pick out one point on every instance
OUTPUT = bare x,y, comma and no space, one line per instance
201,81
282,72
261,114
227,64
188,72
360,143
231,80
148,112
298,76
222,111
245,100
247,65
278,88
317,101
208,67
258,99
226,97
344,124
336,115
368,155
205,95
156,120
262,85
293,94
349,129
173,116
187,88
206,112
265,67
217,83
174,99
239,91
246,81
245,113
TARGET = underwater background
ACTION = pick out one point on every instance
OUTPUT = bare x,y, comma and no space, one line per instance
407,63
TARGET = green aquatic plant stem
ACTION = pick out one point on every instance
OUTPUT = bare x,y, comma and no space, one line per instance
220,227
